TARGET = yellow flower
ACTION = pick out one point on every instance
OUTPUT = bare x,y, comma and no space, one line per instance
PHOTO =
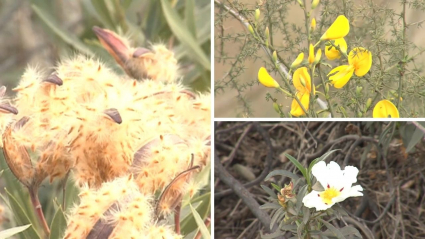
298,61
311,54
338,29
302,80
385,109
359,60
332,53
296,109
266,80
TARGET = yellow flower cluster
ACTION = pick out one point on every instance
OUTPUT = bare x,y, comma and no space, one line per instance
359,63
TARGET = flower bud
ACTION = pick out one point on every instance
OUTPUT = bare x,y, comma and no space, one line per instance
313,24
301,3
368,103
267,33
276,107
318,56
359,91
298,61
314,4
251,30
275,56
257,15
311,54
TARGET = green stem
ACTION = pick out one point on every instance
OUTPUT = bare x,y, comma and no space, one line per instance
327,97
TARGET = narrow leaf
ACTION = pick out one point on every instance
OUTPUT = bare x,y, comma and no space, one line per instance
185,37
297,164
333,229
204,230
58,224
60,32
283,173
13,231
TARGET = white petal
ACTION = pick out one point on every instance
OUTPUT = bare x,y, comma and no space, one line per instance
348,192
320,171
350,173
355,191
312,200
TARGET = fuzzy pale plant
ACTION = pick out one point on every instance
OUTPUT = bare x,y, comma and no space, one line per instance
120,211
85,119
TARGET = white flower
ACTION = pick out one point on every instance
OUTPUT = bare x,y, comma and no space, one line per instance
337,184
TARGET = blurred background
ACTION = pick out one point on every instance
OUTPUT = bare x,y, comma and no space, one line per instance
230,39
39,33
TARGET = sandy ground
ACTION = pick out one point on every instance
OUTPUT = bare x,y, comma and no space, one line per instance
227,105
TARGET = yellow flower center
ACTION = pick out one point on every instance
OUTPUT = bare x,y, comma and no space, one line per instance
328,194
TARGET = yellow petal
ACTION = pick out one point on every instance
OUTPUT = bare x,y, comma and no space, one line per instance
296,109
311,54
298,61
385,109
342,76
265,79
332,53
361,59
338,29
302,80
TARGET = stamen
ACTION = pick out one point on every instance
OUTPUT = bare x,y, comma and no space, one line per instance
318,195
341,189
328,185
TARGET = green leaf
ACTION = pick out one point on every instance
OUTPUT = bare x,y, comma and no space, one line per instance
417,135
282,173
21,216
58,224
188,224
278,214
202,227
306,215
349,230
104,14
189,14
300,197
333,229
277,187
269,191
270,206
297,164
185,37
60,31
12,231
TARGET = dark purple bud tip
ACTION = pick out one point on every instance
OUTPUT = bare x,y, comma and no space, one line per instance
114,115
6,108
140,51
54,79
